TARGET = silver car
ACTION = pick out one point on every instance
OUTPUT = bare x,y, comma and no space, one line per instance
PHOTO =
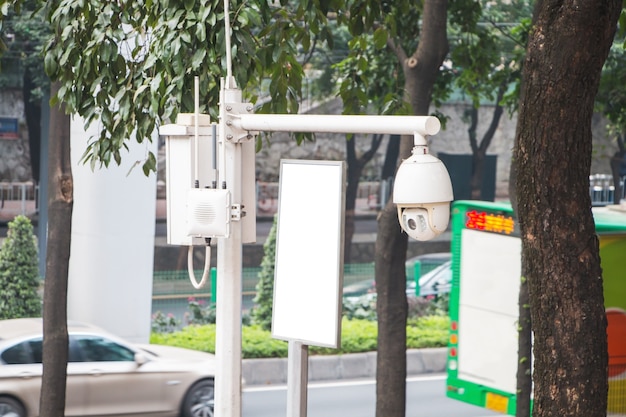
105,375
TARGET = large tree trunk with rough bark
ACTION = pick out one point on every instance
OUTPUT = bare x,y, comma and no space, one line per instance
60,203
420,72
560,254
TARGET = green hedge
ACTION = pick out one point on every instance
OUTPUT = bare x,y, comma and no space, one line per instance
356,336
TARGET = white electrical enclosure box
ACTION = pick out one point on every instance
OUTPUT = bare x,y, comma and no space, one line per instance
180,169
208,212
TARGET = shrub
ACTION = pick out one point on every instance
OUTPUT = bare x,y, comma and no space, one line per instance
428,331
19,272
364,306
162,323
202,313
356,336
428,305
200,338
360,308
258,343
199,313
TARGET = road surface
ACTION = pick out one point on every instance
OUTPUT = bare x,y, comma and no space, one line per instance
425,398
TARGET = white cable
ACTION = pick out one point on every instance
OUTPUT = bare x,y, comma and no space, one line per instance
207,267
229,69
196,125
207,261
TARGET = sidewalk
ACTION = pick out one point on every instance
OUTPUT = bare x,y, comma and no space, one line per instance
335,367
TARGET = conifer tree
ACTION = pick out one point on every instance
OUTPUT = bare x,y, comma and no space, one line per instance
19,272
262,313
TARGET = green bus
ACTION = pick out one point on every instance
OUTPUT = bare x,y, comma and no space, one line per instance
486,270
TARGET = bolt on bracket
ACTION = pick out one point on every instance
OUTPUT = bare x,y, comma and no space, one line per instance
233,133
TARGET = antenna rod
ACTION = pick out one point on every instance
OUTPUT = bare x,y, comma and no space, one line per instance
229,69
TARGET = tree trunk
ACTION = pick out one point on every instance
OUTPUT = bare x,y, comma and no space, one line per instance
392,308
391,157
420,72
60,203
356,164
479,150
560,254
352,188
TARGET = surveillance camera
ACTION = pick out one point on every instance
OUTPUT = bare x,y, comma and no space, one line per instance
424,223
422,192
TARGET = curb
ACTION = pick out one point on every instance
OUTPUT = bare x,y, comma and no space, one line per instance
348,366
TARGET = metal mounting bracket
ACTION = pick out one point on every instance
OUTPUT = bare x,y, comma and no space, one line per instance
236,212
232,112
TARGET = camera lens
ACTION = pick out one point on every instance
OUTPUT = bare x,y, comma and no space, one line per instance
412,224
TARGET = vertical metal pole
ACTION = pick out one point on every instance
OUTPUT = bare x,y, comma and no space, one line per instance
23,191
42,225
229,282
297,379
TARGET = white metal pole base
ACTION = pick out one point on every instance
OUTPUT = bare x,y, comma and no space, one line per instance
297,379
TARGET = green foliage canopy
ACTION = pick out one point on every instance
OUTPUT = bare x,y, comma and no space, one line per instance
23,36
130,66
611,97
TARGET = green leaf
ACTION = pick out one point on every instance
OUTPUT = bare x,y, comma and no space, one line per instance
50,65
380,38
198,58
242,18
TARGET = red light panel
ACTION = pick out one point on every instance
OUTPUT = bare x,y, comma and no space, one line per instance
489,222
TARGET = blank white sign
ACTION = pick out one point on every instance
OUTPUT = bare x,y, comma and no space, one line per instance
308,274
488,307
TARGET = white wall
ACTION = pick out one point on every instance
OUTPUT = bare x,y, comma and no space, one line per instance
111,262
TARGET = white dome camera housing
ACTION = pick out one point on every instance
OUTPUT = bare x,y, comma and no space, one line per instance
422,192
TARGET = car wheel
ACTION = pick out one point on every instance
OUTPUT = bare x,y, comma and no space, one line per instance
11,408
200,400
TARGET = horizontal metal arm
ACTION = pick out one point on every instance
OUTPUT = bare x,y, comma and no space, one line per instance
393,125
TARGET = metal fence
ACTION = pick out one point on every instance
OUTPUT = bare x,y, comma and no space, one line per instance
18,197
172,291
22,196
602,189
